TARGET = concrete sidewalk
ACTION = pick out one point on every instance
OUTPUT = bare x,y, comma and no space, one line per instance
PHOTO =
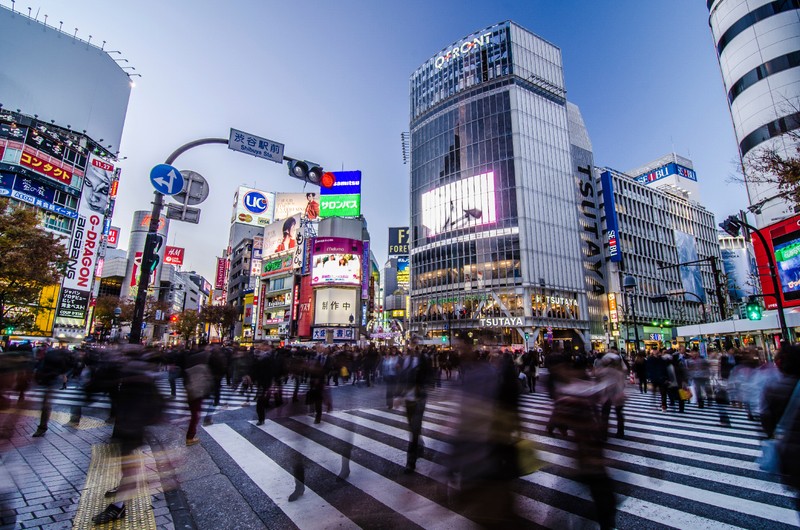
43,481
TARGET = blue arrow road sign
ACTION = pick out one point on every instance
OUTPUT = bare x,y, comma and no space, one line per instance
166,179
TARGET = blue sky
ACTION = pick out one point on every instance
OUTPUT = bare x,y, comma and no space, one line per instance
330,81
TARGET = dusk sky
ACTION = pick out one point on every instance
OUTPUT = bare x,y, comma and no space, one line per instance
330,80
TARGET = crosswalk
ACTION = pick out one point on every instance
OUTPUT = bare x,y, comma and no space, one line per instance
230,398
671,471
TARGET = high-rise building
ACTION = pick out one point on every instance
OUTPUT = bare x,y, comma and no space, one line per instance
496,248
758,45
58,147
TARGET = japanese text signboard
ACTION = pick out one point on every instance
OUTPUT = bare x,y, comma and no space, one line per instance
255,145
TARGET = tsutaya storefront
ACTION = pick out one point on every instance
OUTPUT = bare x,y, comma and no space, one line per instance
503,318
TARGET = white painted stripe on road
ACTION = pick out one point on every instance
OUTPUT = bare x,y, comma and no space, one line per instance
413,506
531,509
661,515
311,512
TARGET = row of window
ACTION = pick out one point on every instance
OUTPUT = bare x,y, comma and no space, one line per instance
753,17
774,66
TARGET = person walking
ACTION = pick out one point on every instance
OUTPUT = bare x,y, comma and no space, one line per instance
198,381
51,367
416,378
611,374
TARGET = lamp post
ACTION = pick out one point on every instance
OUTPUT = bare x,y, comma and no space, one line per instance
629,285
732,225
661,298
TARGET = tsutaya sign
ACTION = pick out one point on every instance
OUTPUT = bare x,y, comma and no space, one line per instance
463,49
504,322
554,300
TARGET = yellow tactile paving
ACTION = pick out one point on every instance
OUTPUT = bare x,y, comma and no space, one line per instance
104,473
59,417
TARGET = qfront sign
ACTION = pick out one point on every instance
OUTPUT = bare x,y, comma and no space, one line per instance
502,322
466,47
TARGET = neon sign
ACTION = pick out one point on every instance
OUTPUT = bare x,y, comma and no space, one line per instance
463,49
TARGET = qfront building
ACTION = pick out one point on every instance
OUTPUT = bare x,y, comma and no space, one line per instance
496,240
758,45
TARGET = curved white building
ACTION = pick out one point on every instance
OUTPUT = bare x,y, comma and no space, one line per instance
758,45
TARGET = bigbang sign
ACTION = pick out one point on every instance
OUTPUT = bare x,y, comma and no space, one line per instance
343,199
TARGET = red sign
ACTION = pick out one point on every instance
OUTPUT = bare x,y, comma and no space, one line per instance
305,313
174,255
2,149
786,229
113,237
30,160
114,188
219,281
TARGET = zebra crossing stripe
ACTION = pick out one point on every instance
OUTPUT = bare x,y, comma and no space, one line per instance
531,509
313,513
413,506
633,506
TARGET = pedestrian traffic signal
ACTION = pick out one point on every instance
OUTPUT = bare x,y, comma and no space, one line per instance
444,339
753,309
527,335
311,172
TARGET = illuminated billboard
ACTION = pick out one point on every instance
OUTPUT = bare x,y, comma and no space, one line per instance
281,236
253,207
403,272
787,259
336,261
343,199
398,240
465,203
289,204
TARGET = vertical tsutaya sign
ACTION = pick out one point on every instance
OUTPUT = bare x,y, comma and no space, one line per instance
398,240
343,199
87,236
612,227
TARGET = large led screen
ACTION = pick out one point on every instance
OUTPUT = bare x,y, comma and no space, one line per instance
336,261
462,204
787,259
336,307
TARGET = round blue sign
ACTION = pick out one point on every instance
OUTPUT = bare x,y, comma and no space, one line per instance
255,202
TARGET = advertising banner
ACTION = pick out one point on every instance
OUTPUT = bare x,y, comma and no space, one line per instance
334,306
398,241
276,265
336,261
219,277
465,203
336,333
73,304
257,254
365,272
305,315
281,236
787,259
665,171
28,190
87,234
253,207
404,272
343,199
691,279
612,227
113,237
31,159
248,309
174,255
289,204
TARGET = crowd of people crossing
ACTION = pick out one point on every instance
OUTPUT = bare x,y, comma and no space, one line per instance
585,388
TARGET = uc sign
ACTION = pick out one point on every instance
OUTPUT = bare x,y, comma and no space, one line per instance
255,202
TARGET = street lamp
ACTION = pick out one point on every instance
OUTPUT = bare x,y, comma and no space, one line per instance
732,225
661,298
629,286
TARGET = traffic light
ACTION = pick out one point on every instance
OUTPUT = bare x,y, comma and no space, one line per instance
527,335
444,339
753,309
311,172
731,225
173,318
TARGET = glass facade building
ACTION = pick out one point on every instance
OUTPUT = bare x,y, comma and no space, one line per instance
496,239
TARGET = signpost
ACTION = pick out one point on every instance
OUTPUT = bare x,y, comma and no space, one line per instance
166,179
251,144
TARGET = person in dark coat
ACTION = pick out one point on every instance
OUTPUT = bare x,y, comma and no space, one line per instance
657,375
51,366
777,396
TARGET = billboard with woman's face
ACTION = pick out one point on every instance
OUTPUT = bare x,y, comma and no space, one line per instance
336,261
